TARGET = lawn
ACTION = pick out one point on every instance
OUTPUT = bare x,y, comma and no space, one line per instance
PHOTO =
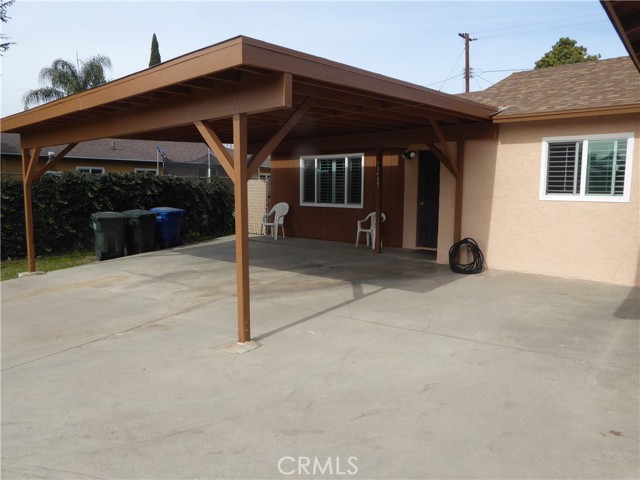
10,268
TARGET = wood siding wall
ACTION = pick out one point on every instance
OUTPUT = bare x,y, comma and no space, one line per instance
339,224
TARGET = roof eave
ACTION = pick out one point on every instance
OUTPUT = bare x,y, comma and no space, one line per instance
566,114
616,21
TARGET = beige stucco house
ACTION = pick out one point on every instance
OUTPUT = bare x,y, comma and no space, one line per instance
557,193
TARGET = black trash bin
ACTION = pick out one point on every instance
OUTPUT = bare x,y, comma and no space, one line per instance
109,230
168,225
140,231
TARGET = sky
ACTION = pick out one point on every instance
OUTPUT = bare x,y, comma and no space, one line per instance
415,41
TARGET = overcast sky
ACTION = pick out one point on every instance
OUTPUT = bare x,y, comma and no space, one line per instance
413,41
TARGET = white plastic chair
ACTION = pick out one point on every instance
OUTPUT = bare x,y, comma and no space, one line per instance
278,211
370,233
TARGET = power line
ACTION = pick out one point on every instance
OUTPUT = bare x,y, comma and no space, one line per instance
536,23
506,70
451,80
540,30
459,75
451,70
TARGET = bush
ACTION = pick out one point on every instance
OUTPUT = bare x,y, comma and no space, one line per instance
63,204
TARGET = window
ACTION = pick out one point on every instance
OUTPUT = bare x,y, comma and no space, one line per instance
145,170
95,170
335,180
589,168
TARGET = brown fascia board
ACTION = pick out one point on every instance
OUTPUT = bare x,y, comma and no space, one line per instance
265,55
565,114
208,60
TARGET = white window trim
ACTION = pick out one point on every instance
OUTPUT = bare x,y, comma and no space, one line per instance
331,205
81,169
583,197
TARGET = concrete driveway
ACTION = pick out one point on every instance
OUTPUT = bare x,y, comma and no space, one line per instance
370,367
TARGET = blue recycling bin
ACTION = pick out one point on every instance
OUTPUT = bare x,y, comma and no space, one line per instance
168,225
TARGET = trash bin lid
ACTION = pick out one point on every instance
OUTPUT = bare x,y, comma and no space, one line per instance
106,215
137,213
167,210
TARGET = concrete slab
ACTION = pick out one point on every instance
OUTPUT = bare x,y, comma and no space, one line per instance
370,367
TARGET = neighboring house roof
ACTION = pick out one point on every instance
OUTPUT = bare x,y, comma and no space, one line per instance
598,87
117,149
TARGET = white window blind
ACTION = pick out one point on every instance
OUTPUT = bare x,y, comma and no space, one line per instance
595,168
335,180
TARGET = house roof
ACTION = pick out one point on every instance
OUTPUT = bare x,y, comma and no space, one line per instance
265,81
599,87
118,149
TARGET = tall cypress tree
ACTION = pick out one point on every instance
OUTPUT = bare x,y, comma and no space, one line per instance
155,52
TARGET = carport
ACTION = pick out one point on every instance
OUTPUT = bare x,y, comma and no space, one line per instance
260,98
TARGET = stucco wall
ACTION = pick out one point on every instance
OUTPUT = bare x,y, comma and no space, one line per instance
517,231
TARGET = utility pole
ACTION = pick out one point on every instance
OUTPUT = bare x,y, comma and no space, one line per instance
467,69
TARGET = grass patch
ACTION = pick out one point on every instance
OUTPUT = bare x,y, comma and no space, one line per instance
10,268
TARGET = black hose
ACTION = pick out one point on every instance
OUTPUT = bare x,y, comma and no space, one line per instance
476,266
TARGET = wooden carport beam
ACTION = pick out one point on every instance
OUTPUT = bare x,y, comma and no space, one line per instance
443,155
215,144
443,159
270,93
270,146
54,162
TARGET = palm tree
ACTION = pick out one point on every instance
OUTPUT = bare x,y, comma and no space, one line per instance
63,78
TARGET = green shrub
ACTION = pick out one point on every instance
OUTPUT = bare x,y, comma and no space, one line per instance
63,204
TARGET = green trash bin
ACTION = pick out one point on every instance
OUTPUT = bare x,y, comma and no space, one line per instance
109,230
140,231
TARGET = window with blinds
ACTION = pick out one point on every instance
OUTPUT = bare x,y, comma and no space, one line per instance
335,180
592,168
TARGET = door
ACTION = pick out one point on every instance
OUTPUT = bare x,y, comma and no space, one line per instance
428,200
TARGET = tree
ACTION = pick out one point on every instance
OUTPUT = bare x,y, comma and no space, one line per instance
64,78
4,43
155,52
566,51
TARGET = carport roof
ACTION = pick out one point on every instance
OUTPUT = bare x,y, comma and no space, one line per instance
347,100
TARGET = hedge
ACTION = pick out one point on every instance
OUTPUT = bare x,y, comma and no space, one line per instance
63,204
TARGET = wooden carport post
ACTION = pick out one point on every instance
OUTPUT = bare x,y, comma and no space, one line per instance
240,187
239,171
457,219
378,225
28,163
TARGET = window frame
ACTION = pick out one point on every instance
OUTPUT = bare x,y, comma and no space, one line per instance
582,196
81,169
345,156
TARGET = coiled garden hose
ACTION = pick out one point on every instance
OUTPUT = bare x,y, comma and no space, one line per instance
476,265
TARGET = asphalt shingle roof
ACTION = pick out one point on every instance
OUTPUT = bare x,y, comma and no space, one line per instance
118,149
602,83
